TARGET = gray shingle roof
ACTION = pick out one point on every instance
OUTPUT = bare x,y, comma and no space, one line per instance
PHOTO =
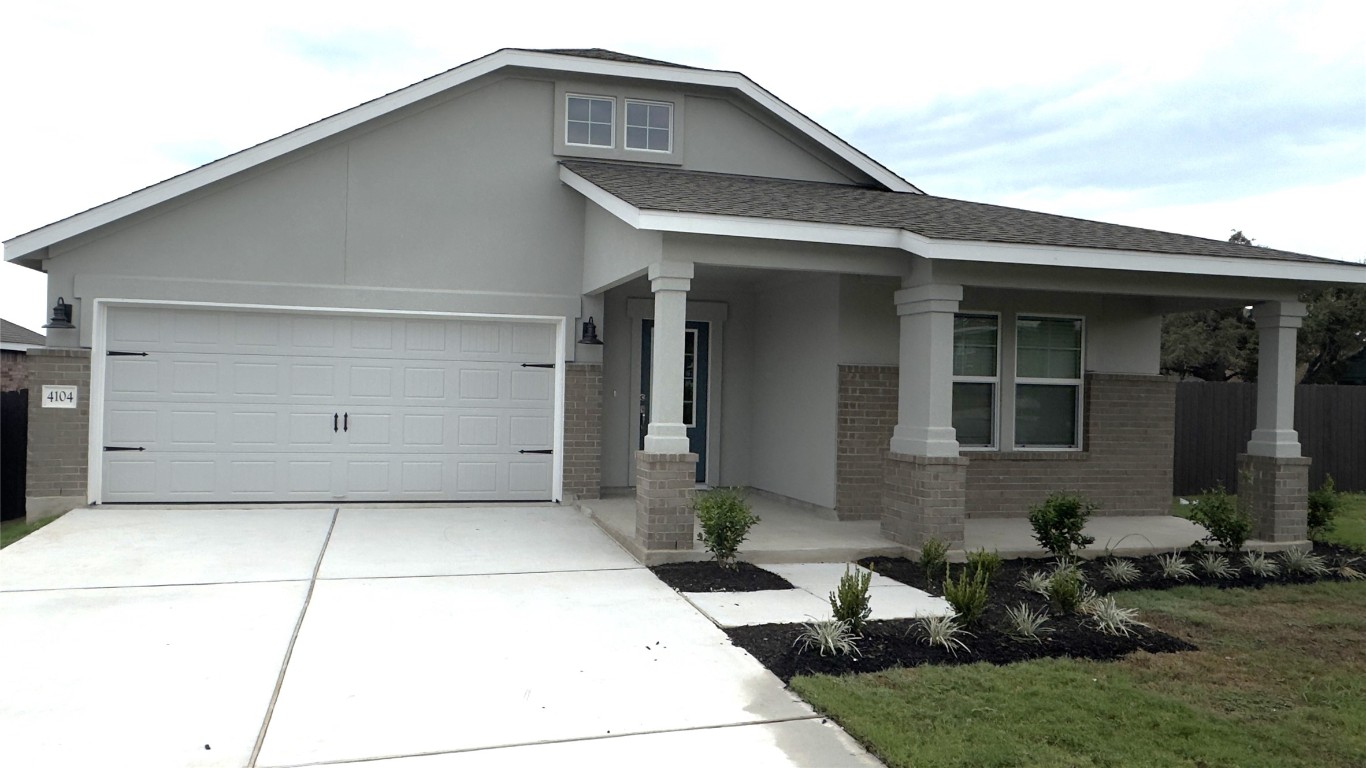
18,334
658,188
603,53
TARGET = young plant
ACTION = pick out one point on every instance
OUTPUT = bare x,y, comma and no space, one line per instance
967,595
1175,567
829,636
1324,505
1303,562
725,518
1027,623
1120,571
849,601
1058,523
943,631
1066,590
1111,619
933,555
982,561
1259,565
1227,521
1217,566
1034,581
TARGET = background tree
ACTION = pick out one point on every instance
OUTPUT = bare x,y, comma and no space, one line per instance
1333,331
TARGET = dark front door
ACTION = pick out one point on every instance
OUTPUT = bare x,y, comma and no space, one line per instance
696,366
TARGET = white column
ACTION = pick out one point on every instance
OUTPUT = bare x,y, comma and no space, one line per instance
667,433
1278,323
925,400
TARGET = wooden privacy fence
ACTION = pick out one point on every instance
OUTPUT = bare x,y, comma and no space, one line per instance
13,452
1214,422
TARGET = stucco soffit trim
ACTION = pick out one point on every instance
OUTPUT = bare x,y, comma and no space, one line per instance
32,242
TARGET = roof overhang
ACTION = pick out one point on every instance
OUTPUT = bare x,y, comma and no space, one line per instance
33,245
961,250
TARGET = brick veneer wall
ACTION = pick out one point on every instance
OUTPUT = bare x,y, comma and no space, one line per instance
13,371
867,414
57,437
1126,467
1278,496
583,430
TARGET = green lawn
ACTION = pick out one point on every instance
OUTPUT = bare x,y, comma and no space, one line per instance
1280,680
1349,529
14,530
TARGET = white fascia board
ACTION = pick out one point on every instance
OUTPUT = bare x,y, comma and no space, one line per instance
10,346
1136,261
32,242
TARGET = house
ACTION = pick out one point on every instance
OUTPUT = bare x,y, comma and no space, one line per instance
401,302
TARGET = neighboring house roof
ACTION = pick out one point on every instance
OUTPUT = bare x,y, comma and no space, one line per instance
17,337
31,246
671,189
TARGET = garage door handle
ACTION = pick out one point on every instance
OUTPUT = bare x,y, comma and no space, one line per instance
346,422
542,450
334,422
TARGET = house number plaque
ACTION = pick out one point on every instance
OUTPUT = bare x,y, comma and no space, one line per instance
59,396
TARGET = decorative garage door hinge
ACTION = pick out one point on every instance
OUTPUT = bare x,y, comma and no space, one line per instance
542,450
123,448
114,353
538,365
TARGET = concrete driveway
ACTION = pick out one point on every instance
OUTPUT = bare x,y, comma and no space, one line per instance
395,638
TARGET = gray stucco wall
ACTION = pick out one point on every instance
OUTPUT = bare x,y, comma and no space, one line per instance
724,138
795,385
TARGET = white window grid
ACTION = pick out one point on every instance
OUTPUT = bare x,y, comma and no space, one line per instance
668,132
611,120
994,381
1078,383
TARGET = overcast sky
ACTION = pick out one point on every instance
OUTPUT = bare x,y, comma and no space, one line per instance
1193,117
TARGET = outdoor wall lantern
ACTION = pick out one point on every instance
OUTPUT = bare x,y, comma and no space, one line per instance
590,333
61,315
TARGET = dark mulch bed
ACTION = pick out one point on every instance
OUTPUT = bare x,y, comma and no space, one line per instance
887,644
710,577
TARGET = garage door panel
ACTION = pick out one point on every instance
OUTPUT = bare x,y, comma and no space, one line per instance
247,406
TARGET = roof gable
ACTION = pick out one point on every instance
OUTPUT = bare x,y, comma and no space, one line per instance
594,61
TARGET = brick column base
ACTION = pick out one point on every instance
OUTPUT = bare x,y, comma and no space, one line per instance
57,437
583,431
665,483
1277,491
923,498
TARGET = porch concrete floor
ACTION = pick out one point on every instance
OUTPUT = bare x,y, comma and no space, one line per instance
792,533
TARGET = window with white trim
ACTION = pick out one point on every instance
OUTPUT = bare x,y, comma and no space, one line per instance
976,378
649,125
1048,379
589,121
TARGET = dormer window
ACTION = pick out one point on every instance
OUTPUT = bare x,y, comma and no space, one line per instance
589,121
649,125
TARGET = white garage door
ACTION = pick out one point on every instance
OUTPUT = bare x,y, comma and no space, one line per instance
245,406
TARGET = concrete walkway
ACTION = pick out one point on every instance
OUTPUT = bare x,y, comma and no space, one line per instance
403,638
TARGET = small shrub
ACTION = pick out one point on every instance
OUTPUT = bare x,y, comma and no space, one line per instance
1174,566
1303,562
1066,590
1217,566
1027,623
968,595
1345,568
1111,619
1120,571
849,601
725,518
982,561
1258,564
1058,523
1324,505
829,636
943,631
933,555
1226,520
1035,581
